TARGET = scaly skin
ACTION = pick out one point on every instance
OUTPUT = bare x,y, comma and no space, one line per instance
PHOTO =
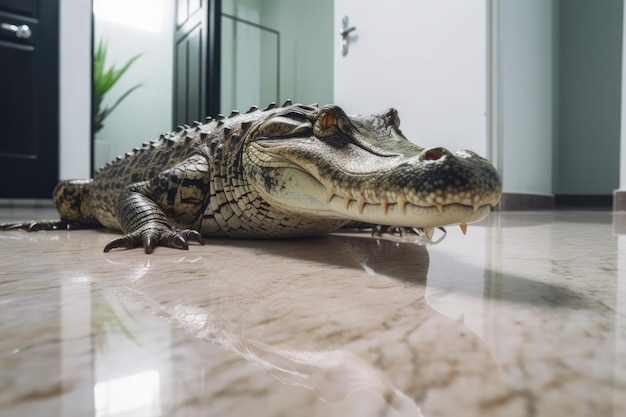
278,172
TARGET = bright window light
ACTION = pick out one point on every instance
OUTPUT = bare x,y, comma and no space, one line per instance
138,393
140,14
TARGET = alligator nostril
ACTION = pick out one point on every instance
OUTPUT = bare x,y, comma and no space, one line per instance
432,155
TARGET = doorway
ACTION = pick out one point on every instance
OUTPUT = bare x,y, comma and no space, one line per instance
274,50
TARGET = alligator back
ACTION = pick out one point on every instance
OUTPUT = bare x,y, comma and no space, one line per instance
141,165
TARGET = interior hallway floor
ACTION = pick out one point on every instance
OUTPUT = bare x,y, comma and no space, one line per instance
523,316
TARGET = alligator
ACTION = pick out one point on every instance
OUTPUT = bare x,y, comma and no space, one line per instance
282,171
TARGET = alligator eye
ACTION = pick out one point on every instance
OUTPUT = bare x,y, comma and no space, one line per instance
398,122
326,120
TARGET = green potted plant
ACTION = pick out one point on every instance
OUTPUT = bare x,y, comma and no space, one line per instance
104,79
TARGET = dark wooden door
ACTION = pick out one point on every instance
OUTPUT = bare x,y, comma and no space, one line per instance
196,60
29,98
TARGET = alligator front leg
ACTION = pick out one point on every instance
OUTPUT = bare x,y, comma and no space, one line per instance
145,225
151,212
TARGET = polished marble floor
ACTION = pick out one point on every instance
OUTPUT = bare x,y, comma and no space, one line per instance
523,316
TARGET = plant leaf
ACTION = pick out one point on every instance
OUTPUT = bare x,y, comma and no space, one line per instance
123,96
104,79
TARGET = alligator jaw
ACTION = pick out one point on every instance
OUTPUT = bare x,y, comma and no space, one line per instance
405,214
306,196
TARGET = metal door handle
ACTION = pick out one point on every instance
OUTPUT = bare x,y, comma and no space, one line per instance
345,36
21,31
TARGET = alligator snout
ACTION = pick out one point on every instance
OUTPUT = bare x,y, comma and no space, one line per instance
438,177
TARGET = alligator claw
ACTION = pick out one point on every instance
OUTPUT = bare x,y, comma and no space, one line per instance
174,240
177,239
180,242
379,230
14,226
124,242
190,234
148,244
36,226
425,235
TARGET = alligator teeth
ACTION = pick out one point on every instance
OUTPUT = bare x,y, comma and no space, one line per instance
463,228
402,204
384,204
429,232
361,205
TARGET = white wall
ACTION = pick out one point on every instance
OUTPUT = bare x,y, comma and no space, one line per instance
426,58
75,89
147,112
526,53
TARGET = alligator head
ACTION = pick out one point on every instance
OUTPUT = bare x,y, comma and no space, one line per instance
322,163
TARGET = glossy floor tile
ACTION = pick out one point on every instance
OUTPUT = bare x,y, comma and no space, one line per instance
524,316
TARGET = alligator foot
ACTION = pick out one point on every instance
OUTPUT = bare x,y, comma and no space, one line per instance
404,232
36,225
379,230
177,239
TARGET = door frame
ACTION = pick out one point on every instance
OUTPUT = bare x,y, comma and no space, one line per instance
494,86
75,98
214,45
